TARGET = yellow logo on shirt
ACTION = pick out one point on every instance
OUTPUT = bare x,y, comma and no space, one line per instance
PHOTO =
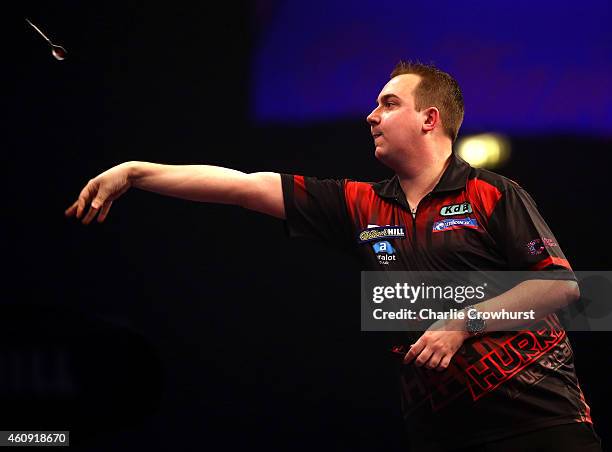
382,232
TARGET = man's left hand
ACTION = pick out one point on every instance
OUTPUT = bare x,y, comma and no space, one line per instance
435,348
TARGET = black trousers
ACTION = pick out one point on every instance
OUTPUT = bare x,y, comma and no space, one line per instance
575,437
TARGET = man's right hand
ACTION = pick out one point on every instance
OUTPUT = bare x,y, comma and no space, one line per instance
261,192
99,193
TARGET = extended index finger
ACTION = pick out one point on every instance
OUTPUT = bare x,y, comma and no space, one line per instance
70,211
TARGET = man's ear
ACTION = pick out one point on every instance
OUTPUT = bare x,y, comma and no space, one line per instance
432,119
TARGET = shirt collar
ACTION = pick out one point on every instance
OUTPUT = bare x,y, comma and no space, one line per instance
454,178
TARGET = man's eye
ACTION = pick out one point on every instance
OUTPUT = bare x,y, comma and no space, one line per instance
388,104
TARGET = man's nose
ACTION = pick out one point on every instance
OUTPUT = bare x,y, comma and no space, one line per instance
373,118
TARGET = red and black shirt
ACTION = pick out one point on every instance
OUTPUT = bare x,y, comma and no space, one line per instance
500,384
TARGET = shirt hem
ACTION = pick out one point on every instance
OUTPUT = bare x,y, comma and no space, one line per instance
501,434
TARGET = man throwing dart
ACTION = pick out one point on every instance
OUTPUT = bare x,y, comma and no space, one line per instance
479,386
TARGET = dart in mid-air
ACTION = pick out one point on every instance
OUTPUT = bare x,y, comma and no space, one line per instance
57,51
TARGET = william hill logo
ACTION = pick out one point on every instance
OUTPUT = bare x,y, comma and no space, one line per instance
456,209
382,232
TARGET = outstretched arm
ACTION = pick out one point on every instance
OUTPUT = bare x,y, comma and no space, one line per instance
261,192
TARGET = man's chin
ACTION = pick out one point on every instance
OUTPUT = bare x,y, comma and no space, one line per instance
383,157
380,154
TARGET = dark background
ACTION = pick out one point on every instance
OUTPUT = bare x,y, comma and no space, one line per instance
176,325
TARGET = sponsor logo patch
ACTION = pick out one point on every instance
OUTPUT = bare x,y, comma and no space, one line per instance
537,246
449,224
382,232
383,247
456,209
384,252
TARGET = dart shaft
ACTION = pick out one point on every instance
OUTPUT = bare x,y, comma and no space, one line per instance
38,30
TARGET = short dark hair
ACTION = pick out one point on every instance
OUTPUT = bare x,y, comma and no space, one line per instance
436,89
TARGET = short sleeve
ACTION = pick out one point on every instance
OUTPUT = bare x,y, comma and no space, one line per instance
524,237
316,209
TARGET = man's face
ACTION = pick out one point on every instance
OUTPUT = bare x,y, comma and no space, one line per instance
395,124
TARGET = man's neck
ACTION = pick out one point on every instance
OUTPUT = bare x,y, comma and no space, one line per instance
420,176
